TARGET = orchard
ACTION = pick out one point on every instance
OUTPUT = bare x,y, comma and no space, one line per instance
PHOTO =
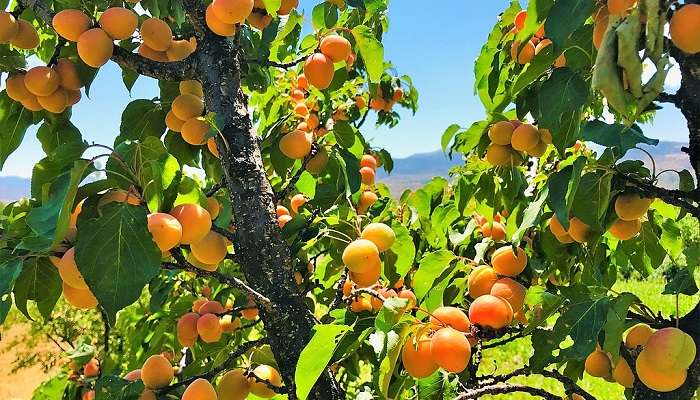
286,269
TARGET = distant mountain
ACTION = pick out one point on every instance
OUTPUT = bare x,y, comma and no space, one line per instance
13,188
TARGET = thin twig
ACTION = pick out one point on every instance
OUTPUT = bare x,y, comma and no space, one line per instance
105,320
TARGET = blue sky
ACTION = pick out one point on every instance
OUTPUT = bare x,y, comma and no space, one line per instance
436,47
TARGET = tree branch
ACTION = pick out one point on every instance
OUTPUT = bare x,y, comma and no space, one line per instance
505,389
677,198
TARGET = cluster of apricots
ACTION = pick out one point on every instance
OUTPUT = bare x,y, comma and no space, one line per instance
629,208
319,67
237,384
662,364
75,291
50,88
17,32
295,203
493,229
510,139
379,103
366,302
95,46
185,116
368,169
209,320
498,297
578,230
361,256
524,53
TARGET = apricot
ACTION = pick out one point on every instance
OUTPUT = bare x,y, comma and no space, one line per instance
656,378
336,47
556,227
598,365
450,350
119,22
600,26
134,375
41,81
367,174
55,103
197,304
501,132
297,201
302,82
187,329
151,54
499,156
187,106
538,150
638,335
27,37
232,11
408,295
194,131
367,199
319,70
208,328
179,50
250,313
417,358
631,206
368,161
213,207
622,374
234,385
156,34
579,230
451,317
317,163
524,55
229,324
671,349
68,74
620,7
368,277
91,368
95,47
216,25
259,20
191,87
520,19
72,97
79,298
31,103
377,104
684,29
8,26
361,255
70,24
287,6
281,210
16,89
68,270
283,219
624,230
165,229
211,145
510,290
157,372
195,221
525,137
490,311
495,231
296,144
200,389
506,262
211,249
380,234
269,374
172,122
481,280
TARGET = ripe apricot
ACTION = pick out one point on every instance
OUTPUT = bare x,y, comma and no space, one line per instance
631,206
499,156
234,385
287,6
579,230
187,106
655,378
197,304
684,29
68,270
336,47
620,7
213,207
501,132
408,295
211,249
296,144
506,262
312,121
16,89
297,201
119,22
70,24
671,349
68,74
624,230
319,70
259,20
525,137
491,311
133,375
79,298
232,11
451,317
638,335
179,50
417,359
281,210
151,54
556,227
361,255
380,234
157,372
494,230
538,150
166,230
211,145
200,389
377,104
216,25
27,37
191,87
95,47
283,219
195,221
187,329
266,373
208,328
600,26
598,364
72,97
194,131
368,161
156,34
367,199
229,324
520,19
622,373
524,55
172,122
8,26
317,163
55,103
368,277
41,81
450,350
510,290
367,174
31,103
119,196
481,280
211,307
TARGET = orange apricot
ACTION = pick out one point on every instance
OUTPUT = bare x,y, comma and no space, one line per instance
296,144
95,47
194,131
417,359
620,7
522,55
211,249
506,262
200,389
501,133
520,19
481,280
187,106
68,74
368,161
55,103
195,221
494,230
287,6
598,365
579,230
336,47
70,24
187,329
42,81
408,295
27,37
556,227
269,374
211,145
302,82
79,298
380,234
234,385
671,349
281,210
685,30
72,97
172,122
510,290
211,307
377,104
16,88
213,206
157,372
317,163
638,335
259,20
491,311
297,201
156,34
658,379
232,11
631,206
625,230
622,374
179,50
367,174
216,25
525,137
68,270
367,199
197,304
499,156
31,104
119,22
319,70
361,255
282,220
600,26
151,54
451,317
191,87
208,328
8,26
450,350
229,324
368,277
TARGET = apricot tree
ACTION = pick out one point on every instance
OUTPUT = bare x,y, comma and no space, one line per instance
281,268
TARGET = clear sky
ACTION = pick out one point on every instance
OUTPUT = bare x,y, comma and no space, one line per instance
436,47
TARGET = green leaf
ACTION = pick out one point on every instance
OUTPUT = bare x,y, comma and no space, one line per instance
324,15
447,136
110,387
681,281
615,323
563,185
371,50
531,215
14,121
562,97
142,118
430,267
592,198
565,17
390,313
644,251
51,389
344,133
55,132
118,245
437,387
403,247
550,303
615,135
315,357
10,268
40,282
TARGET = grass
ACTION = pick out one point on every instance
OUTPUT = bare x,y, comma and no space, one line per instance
515,355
